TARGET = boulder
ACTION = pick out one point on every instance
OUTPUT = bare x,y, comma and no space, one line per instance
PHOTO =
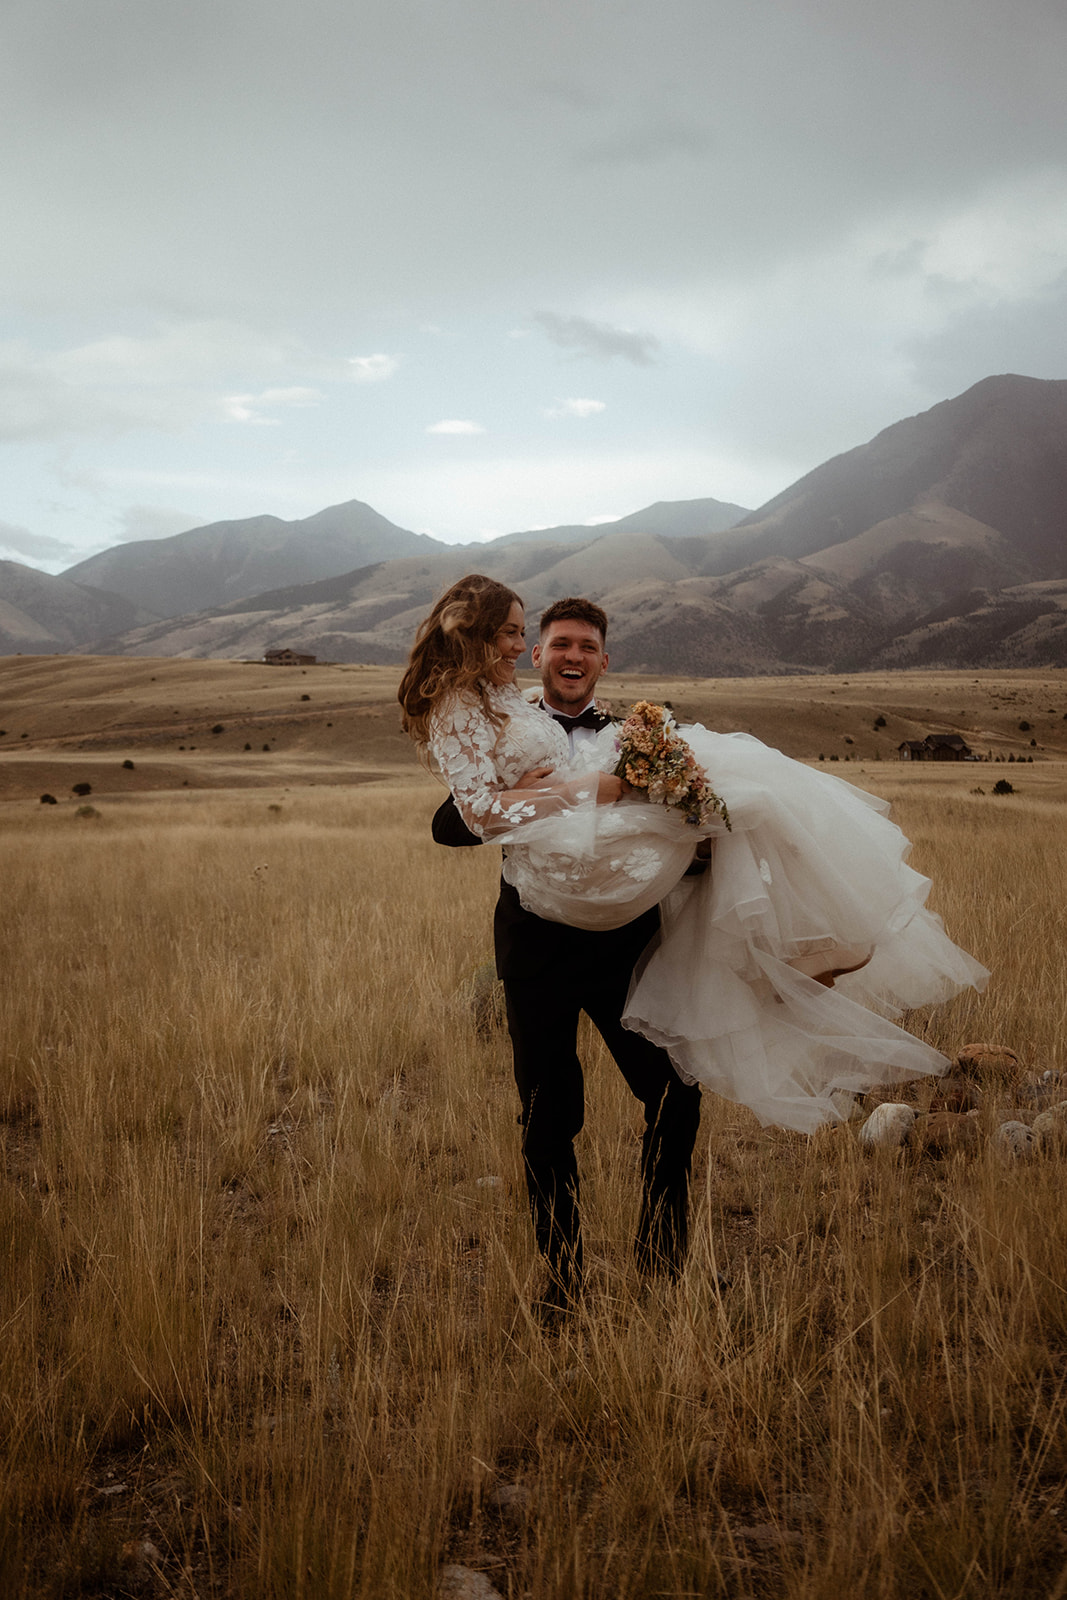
1043,1091
887,1127
1014,1141
482,996
512,1501
465,1583
848,1106
996,1062
947,1133
956,1094
1050,1129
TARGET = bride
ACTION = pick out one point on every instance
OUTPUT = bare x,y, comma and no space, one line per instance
776,972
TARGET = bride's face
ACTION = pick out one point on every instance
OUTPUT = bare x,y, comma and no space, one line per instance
510,643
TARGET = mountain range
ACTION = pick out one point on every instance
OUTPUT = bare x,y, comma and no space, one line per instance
942,541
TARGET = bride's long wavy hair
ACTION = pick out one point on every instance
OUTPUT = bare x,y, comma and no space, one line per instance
455,650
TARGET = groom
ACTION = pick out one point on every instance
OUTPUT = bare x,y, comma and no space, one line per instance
551,973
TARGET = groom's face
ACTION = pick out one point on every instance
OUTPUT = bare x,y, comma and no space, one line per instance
571,657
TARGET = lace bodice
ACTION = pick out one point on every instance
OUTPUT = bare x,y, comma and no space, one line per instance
481,763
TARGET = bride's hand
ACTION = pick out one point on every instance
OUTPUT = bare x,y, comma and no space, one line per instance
610,788
534,776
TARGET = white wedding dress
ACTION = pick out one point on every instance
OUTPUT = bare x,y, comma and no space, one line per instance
811,878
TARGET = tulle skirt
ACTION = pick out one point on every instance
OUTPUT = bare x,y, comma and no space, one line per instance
812,880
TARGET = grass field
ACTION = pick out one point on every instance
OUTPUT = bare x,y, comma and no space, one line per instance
266,1252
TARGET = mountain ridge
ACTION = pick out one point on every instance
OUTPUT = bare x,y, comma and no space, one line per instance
938,538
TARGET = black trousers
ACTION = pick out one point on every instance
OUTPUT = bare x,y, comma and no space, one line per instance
543,1023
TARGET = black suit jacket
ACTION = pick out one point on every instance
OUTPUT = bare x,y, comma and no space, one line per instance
528,946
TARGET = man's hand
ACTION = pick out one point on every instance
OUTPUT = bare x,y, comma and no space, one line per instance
534,776
610,788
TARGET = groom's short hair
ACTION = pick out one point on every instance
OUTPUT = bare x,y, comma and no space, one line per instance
575,609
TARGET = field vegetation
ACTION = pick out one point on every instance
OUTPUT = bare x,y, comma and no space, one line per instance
266,1260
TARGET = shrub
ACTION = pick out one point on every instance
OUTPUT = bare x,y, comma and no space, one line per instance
1024,726
879,722
218,728
128,766
305,697
49,800
81,789
1002,786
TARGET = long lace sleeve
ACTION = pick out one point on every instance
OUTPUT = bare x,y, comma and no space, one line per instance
480,763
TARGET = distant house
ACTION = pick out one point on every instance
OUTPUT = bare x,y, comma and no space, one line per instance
288,658
936,747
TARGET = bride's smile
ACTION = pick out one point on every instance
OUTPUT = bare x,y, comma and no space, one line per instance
510,641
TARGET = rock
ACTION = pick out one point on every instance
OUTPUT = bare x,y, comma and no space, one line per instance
887,1127
995,1061
482,995
1050,1129
512,1501
765,1536
1044,1091
888,1094
956,1094
464,1583
1014,1141
848,1105
142,1555
804,1507
947,1133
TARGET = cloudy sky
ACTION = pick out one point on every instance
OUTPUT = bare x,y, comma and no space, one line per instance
494,264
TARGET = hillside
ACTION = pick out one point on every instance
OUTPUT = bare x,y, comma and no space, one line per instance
935,543
224,561
41,614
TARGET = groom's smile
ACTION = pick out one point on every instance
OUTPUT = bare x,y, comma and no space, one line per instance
571,657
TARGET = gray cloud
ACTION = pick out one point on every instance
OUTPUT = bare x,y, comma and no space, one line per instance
23,545
153,522
598,340
657,139
1027,336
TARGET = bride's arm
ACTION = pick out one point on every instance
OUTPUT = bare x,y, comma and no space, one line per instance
463,743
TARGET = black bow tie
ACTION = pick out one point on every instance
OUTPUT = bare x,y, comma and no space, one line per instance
589,718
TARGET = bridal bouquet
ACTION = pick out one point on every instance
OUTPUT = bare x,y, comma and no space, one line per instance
653,756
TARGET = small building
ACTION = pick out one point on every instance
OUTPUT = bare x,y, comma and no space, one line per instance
947,747
936,747
287,658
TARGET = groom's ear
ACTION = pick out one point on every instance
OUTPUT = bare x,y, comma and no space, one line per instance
535,654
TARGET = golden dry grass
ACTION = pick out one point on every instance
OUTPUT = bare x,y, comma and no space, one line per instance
263,1319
